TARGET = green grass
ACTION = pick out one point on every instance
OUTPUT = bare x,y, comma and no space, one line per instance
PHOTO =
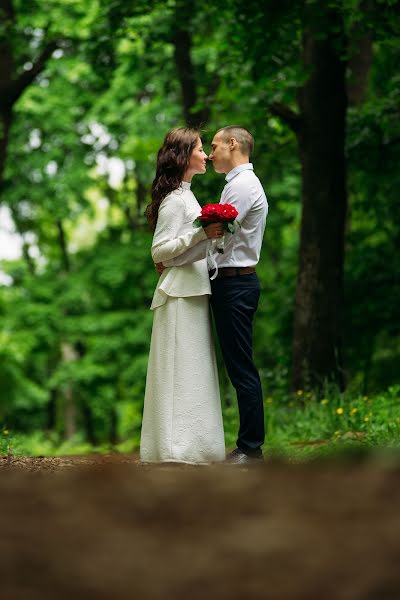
299,427
306,426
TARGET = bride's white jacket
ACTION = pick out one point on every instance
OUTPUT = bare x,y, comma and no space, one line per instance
174,235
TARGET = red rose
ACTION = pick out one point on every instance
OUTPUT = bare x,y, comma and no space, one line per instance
217,213
227,212
210,213
210,209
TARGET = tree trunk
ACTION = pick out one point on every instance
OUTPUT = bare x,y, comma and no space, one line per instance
6,69
69,413
359,65
12,87
183,61
69,354
317,326
5,123
27,258
52,411
88,424
141,195
186,72
62,242
113,437
360,59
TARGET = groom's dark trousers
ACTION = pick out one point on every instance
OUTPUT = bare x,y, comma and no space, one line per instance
234,302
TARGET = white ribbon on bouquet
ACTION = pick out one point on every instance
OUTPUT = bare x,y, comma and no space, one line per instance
211,262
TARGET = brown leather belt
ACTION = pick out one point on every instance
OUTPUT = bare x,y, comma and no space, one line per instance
235,271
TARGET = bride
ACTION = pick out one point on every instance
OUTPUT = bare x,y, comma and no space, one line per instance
182,420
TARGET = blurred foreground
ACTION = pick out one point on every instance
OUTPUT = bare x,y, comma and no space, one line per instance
110,528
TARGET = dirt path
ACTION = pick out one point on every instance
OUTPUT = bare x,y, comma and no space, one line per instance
61,464
108,528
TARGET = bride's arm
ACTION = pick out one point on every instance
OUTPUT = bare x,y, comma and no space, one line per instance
166,243
198,252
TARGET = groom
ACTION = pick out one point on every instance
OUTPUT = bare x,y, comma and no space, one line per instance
236,289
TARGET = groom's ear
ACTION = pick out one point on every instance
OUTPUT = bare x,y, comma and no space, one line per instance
232,143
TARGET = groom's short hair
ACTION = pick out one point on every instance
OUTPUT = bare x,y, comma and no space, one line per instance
241,135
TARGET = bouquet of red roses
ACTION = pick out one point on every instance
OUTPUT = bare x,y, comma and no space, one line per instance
218,213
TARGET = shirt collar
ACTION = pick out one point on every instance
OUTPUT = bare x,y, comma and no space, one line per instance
186,185
239,169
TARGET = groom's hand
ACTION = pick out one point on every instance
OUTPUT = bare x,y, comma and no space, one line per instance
159,267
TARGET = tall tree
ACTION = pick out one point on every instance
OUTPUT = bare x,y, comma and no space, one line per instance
196,106
14,79
321,136
318,33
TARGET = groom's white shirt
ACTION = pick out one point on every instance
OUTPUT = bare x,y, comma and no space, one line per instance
243,190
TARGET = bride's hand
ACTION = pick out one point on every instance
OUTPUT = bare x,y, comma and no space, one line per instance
159,267
214,231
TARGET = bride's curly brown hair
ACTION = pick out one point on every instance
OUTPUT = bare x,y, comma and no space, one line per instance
172,161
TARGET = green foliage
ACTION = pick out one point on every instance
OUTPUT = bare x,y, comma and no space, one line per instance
328,425
75,322
296,430
373,255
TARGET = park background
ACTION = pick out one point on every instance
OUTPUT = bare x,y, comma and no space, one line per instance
88,90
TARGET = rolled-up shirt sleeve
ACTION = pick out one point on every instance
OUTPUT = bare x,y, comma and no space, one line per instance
167,244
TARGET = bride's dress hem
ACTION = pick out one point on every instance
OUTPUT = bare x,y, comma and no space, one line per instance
182,462
182,419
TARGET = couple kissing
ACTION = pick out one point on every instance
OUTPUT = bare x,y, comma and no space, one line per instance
182,417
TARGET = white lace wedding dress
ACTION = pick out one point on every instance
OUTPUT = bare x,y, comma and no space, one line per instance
182,420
